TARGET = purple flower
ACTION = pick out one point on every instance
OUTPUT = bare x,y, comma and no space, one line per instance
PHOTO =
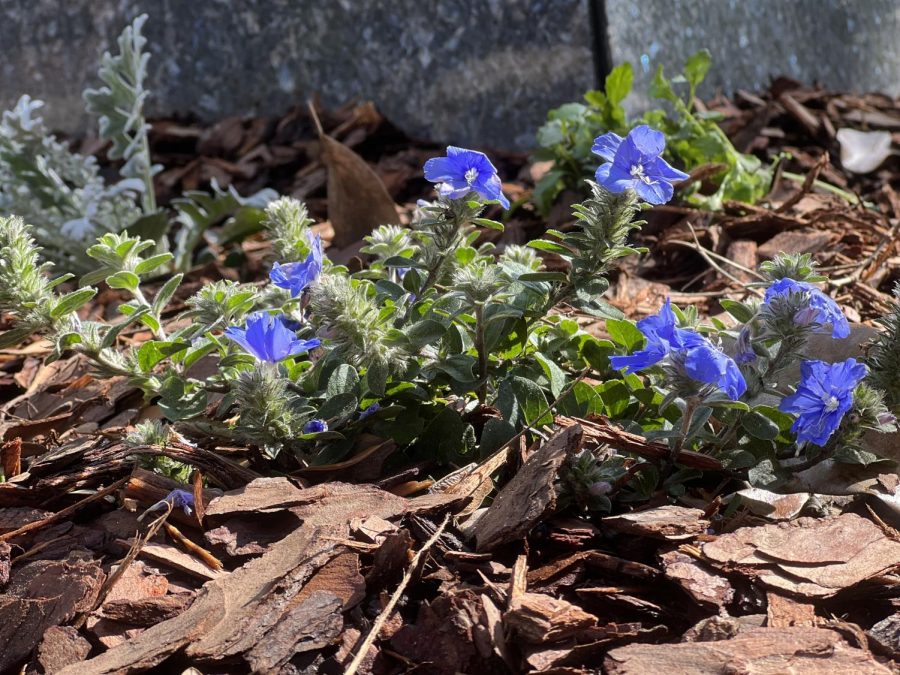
179,499
744,348
315,426
819,311
296,276
634,162
824,395
368,412
463,171
702,361
269,339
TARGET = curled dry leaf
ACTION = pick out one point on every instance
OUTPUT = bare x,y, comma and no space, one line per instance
358,202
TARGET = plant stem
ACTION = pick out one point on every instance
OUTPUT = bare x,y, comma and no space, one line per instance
482,353
148,201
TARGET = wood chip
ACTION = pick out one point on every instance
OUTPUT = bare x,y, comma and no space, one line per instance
704,587
61,646
526,499
539,618
669,522
807,556
783,612
811,651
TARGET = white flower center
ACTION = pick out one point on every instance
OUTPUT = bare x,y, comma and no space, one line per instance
471,176
831,403
637,172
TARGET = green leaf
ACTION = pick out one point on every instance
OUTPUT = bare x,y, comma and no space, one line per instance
544,276
71,302
376,378
14,336
150,264
150,353
444,437
340,407
624,333
760,426
551,246
555,375
696,68
109,339
125,280
488,223
618,83
532,401
425,332
496,432
738,310
165,294
344,380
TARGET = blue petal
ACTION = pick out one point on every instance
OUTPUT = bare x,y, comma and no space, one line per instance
492,188
239,335
649,142
606,145
439,169
657,192
707,364
660,169
641,359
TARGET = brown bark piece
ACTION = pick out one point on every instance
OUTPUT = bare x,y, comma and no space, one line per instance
783,612
539,618
231,615
43,594
314,623
744,253
340,576
808,556
769,651
61,646
526,499
886,636
146,611
669,522
5,563
795,241
705,587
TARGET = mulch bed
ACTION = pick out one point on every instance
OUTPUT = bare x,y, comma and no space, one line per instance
346,569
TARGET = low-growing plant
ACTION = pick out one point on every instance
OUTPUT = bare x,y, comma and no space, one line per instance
67,201
450,348
695,138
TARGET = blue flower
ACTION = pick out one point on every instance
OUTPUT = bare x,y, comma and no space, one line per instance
744,347
269,339
463,171
368,412
179,499
824,395
662,338
702,361
315,426
820,310
634,162
296,276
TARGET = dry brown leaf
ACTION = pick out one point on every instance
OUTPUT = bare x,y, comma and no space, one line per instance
358,202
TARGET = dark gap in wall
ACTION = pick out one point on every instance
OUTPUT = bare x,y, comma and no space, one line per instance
600,34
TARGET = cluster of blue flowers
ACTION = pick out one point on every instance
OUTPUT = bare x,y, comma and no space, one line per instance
701,360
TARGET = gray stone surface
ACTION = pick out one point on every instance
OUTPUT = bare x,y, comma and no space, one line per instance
479,72
849,45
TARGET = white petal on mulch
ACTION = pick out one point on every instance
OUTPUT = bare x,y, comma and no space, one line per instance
863,151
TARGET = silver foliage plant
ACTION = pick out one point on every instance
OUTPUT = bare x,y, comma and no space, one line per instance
61,193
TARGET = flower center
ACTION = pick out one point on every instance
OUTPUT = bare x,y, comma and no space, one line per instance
471,175
637,172
831,403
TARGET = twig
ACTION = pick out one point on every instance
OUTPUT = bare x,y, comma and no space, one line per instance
395,598
65,513
708,257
